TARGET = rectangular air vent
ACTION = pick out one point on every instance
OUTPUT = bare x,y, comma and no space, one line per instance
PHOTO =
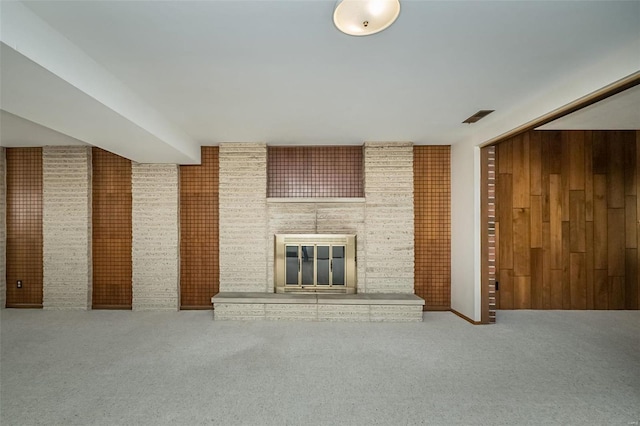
478,115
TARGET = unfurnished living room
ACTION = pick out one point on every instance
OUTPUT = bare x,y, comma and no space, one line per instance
351,212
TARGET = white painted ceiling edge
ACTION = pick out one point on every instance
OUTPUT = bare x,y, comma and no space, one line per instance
31,37
618,112
17,132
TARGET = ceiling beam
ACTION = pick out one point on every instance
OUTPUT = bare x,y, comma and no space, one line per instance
50,81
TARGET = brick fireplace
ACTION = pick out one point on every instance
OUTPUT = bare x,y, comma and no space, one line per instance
382,220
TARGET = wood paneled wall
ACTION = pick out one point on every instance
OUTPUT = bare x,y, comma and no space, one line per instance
567,220
199,242
432,222
112,265
24,227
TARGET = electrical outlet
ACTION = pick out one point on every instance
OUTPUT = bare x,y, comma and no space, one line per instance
19,283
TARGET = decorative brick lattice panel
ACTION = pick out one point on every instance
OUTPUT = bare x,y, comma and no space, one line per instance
432,198
112,265
199,237
328,171
24,226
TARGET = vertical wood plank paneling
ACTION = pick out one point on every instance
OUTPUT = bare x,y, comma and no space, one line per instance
600,154
535,161
601,289
505,158
615,175
566,267
588,176
631,279
565,176
615,243
505,215
521,176
545,158
556,289
616,292
506,289
522,292
600,229
583,209
555,206
555,152
577,222
630,167
578,282
546,266
576,160
521,245
535,223
589,266
631,222
537,278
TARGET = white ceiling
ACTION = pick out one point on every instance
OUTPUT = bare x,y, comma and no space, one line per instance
155,80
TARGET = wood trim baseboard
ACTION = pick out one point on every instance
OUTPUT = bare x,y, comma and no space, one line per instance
23,306
437,308
196,308
466,318
112,307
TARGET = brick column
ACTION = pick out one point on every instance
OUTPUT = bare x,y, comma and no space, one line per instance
155,244
243,217
388,169
66,227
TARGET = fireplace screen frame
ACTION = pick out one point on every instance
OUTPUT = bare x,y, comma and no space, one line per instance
306,257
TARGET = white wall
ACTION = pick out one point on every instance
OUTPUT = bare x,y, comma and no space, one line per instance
3,234
465,277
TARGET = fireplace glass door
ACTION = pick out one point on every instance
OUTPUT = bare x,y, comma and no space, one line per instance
315,265
312,263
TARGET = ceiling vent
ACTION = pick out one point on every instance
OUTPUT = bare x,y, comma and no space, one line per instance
478,115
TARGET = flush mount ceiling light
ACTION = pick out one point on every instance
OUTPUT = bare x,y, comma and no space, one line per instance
365,17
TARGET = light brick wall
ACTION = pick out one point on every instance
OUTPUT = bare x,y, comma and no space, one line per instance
66,227
243,217
3,230
317,218
155,244
318,312
389,252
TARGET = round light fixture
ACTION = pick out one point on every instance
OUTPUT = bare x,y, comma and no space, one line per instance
365,17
